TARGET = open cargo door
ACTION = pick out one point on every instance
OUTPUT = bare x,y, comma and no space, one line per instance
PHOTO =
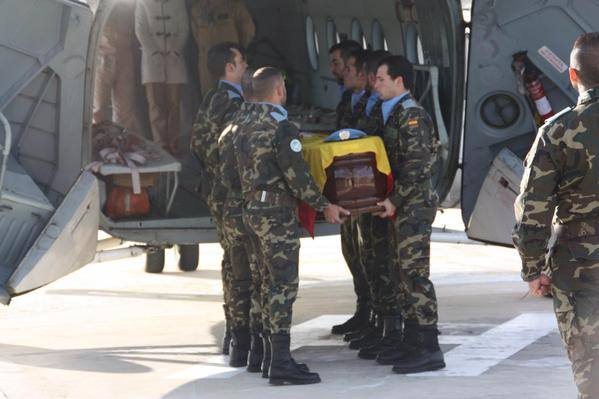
500,118
48,210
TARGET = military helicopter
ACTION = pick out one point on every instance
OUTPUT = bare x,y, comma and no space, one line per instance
488,83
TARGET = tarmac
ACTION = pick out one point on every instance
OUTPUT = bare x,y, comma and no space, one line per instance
111,330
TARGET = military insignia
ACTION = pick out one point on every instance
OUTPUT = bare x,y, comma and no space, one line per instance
344,135
413,122
295,145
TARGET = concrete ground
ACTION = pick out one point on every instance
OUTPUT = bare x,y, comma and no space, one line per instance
112,331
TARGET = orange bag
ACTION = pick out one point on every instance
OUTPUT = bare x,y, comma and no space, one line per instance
123,203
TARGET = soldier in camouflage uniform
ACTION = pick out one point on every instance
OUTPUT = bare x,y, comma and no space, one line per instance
561,181
219,106
274,176
411,144
236,233
374,248
349,111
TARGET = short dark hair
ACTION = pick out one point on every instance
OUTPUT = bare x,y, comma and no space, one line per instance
360,56
374,58
264,81
220,55
346,47
399,66
586,54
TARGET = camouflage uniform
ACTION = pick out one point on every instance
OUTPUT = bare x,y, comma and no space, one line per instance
348,117
375,243
274,176
217,110
562,171
411,145
241,251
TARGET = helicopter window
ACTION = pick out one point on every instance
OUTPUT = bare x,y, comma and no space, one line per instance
379,41
332,34
414,50
312,43
357,33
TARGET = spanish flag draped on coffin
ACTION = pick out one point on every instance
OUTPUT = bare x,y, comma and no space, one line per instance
353,173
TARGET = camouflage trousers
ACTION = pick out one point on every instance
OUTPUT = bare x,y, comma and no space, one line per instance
216,210
412,237
578,320
246,297
375,247
350,247
276,233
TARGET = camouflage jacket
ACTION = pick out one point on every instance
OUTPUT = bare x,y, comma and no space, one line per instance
347,117
229,168
269,155
217,110
411,144
370,124
561,179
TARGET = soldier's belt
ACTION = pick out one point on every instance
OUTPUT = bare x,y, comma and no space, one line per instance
271,198
576,230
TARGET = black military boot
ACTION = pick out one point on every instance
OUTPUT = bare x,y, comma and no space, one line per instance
409,342
426,356
240,346
227,336
283,369
256,353
392,336
357,321
359,333
266,355
370,337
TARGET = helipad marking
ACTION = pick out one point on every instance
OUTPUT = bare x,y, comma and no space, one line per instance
496,345
473,356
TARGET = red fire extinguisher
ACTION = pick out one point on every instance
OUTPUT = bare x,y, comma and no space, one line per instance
537,94
529,75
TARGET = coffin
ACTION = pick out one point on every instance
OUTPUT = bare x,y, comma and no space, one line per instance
354,174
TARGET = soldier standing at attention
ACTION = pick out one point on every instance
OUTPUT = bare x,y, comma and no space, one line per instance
217,21
340,57
561,180
411,144
246,336
226,62
274,176
375,245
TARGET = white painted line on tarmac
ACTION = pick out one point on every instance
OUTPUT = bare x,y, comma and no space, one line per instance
473,355
494,346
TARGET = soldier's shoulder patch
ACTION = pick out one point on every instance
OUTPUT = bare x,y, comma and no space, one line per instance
410,103
557,116
295,145
278,117
413,122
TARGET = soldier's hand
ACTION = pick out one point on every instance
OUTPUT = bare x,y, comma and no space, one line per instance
389,209
540,286
335,214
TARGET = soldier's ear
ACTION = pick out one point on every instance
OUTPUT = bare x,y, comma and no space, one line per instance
574,80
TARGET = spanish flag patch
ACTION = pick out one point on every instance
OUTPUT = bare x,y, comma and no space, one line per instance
413,122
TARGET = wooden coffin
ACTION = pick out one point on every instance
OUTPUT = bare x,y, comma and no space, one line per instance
354,182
